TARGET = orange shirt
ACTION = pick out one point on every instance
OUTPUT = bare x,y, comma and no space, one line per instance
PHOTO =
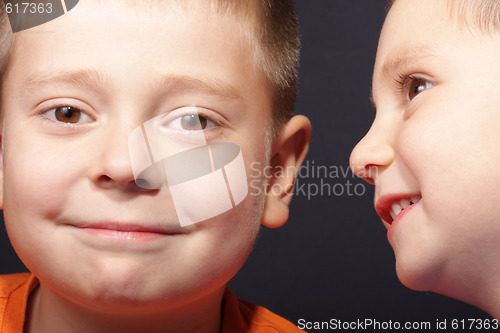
243,316
14,292
239,316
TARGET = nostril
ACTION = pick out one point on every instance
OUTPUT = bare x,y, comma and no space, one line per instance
142,183
358,170
366,172
371,172
151,178
104,179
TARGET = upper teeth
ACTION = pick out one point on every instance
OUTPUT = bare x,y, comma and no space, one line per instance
400,205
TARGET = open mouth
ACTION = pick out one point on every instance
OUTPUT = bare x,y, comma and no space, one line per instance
400,205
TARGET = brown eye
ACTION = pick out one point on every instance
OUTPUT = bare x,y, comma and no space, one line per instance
415,86
68,114
193,122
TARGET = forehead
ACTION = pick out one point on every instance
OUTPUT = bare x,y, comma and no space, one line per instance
221,6
108,38
414,22
246,13
219,14
414,30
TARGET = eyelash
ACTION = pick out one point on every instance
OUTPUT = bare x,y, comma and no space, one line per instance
55,122
403,81
200,112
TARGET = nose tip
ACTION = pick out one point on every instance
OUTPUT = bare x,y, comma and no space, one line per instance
370,155
115,171
113,165
359,166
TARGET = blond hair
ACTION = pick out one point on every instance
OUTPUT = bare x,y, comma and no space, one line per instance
276,46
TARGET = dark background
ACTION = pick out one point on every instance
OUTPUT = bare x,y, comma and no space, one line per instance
332,259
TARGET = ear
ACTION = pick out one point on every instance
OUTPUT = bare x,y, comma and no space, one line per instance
288,152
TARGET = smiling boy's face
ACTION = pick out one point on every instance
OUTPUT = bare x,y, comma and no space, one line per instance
68,169
434,142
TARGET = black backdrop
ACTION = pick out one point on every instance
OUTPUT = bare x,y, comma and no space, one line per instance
332,259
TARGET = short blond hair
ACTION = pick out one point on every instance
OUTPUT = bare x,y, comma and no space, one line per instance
276,41
481,15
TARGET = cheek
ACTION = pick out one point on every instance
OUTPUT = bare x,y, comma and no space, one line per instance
38,176
236,232
452,153
238,227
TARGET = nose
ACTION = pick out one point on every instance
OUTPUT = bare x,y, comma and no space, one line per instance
113,168
374,152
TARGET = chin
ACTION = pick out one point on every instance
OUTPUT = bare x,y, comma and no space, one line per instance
418,276
113,299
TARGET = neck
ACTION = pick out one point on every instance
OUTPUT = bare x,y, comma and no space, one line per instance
479,287
50,312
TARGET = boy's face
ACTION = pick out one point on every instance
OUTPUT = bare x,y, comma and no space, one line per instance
434,142
117,67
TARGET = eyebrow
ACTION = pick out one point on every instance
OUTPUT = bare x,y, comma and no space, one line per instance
87,78
210,86
406,56
90,79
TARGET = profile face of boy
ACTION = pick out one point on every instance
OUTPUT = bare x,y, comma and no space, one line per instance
75,89
434,144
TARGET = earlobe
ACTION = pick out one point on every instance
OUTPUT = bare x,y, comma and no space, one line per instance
288,152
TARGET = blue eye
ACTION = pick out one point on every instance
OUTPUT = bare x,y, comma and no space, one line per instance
68,115
191,122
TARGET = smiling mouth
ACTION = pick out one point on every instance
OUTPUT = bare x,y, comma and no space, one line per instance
400,205
125,235
122,231
388,207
